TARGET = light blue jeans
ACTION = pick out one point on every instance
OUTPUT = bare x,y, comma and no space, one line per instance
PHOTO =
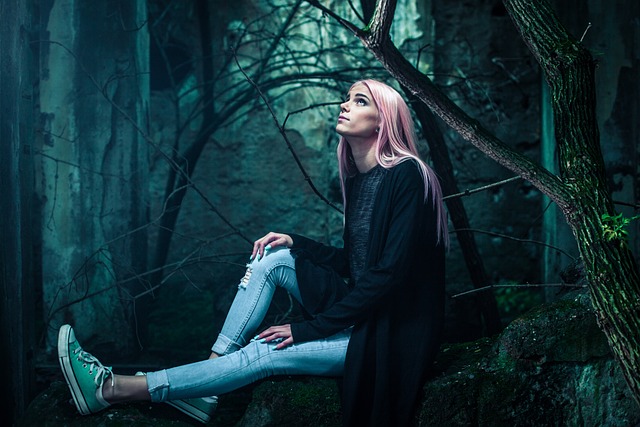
244,361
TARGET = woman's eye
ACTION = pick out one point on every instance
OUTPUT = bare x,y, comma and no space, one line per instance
360,102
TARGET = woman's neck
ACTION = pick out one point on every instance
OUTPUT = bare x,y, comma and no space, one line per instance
364,155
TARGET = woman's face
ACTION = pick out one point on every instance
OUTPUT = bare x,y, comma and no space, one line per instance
359,116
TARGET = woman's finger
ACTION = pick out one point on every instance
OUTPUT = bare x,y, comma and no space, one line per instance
285,343
280,332
270,241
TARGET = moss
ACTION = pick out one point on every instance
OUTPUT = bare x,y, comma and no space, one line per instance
299,401
459,356
563,331
516,300
549,367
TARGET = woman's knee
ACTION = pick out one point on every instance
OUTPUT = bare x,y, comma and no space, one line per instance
273,257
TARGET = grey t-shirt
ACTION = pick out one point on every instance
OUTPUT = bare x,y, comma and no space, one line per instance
363,194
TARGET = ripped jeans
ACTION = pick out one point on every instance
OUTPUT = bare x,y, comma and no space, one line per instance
243,361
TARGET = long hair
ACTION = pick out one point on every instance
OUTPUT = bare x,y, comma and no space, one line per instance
395,144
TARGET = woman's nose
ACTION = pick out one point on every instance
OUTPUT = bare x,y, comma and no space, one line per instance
343,106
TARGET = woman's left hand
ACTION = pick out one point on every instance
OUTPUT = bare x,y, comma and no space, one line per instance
282,332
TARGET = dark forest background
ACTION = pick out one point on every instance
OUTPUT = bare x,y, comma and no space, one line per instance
146,144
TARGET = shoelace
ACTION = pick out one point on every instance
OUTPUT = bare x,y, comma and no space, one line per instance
102,372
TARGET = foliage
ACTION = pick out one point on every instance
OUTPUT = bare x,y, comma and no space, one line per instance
615,227
514,300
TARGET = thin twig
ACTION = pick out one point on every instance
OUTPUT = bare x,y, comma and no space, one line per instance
585,31
633,205
286,138
301,110
527,285
505,236
477,190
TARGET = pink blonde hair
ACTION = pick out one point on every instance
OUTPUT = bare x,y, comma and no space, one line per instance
395,144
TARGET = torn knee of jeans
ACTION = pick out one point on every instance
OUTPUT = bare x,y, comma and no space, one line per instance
245,280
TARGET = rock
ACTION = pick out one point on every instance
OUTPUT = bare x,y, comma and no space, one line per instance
53,408
549,367
303,401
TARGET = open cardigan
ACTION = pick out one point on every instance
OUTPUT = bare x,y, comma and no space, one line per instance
396,308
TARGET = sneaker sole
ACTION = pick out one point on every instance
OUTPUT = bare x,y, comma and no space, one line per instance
67,370
187,408
190,410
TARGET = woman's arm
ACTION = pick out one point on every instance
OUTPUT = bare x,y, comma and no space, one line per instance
406,213
321,254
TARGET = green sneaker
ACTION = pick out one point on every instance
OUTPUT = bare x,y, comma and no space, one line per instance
83,372
200,408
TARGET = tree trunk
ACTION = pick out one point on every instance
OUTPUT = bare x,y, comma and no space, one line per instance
610,266
17,305
94,93
180,174
485,301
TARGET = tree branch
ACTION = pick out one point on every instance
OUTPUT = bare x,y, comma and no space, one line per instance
377,41
380,24
286,139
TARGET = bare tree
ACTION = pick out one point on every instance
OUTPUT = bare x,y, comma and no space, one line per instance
271,54
580,190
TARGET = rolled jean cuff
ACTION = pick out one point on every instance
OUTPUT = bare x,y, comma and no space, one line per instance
224,345
158,385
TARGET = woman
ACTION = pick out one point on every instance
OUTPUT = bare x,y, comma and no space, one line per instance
380,331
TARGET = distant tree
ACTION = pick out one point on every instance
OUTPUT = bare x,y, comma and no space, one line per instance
580,190
17,234
92,164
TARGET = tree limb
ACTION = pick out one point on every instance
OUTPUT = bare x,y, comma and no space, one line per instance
376,38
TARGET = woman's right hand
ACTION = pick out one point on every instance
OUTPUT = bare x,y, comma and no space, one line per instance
270,241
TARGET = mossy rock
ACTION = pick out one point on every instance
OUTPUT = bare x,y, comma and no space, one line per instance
565,331
294,401
54,408
551,366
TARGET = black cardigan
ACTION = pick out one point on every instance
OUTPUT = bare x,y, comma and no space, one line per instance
396,308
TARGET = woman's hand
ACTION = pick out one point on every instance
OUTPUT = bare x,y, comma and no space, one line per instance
268,242
281,332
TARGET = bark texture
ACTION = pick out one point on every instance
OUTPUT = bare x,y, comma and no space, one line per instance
610,266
